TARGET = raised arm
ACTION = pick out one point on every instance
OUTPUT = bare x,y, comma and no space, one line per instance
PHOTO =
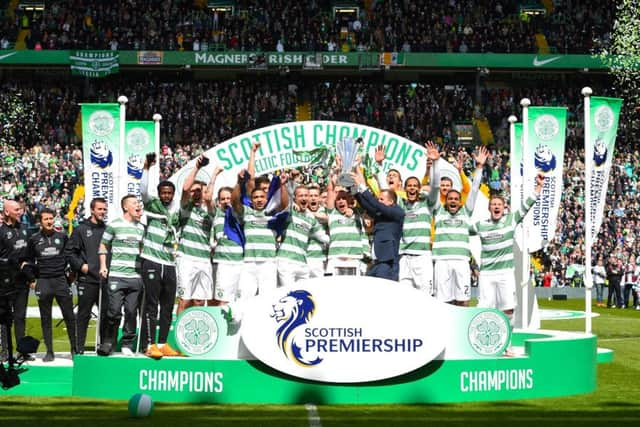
433,157
284,194
236,195
480,158
144,181
331,191
208,192
528,203
189,180
251,167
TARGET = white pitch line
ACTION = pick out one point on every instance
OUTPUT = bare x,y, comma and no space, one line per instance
314,417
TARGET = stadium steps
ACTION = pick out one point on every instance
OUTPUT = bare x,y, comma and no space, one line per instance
541,43
22,35
484,131
303,111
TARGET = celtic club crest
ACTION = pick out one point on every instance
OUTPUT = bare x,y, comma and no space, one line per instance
603,118
101,123
197,332
137,138
546,127
489,333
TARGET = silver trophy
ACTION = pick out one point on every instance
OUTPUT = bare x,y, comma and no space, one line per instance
347,149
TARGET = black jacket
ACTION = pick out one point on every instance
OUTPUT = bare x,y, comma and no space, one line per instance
48,253
13,247
83,248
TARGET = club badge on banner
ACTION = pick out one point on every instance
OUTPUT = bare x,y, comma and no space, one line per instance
139,140
545,152
605,113
100,146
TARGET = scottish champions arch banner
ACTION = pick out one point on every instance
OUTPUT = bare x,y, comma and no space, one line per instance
605,113
293,145
139,140
545,150
101,152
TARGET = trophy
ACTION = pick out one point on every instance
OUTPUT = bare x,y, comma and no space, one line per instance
347,149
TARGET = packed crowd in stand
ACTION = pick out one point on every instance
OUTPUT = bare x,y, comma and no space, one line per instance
458,26
43,161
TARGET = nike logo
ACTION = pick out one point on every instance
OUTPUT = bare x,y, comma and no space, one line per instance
7,55
540,63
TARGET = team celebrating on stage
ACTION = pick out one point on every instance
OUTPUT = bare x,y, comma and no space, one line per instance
222,248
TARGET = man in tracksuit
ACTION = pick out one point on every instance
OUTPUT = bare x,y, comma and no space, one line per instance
46,249
82,255
15,292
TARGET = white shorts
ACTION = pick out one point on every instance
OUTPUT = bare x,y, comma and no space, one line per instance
258,276
291,272
452,280
417,271
316,268
227,285
497,289
195,278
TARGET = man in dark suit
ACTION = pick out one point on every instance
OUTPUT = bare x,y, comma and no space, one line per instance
388,218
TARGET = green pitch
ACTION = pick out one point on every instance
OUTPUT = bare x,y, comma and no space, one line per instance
615,403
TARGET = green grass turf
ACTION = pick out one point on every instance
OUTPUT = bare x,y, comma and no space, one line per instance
614,403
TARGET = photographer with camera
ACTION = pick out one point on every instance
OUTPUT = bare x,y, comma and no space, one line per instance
81,253
14,291
46,250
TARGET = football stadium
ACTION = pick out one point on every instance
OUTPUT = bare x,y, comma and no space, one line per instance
320,213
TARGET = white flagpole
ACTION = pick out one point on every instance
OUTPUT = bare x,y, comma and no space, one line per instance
524,307
588,171
122,166
514,168
154,178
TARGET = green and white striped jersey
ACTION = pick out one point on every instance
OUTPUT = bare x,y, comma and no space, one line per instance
125,240
196,229
226,251
451,239
348,238
496,238
161,234
301,229
260,239
416,230
317,251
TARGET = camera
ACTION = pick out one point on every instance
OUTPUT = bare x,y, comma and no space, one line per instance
204,161
151,158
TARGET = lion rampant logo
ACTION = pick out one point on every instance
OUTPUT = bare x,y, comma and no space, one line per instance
135,166
544,159
293,311
599,152
100,154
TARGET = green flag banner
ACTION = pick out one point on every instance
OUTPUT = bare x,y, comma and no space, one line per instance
100,146
94,63
545,152
603,122
139,140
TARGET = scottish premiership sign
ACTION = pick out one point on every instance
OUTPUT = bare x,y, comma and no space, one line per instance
101,145
343,330
605,113
545,152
